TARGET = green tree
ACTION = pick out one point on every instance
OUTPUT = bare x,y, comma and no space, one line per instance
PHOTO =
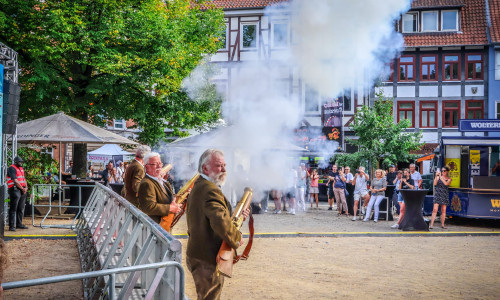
113,59
382,142
353,160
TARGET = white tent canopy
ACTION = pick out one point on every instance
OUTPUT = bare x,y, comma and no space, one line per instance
108,152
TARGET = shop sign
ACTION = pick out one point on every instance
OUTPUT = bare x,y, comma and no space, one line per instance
479,125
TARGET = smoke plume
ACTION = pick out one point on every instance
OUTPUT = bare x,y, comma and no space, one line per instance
334,45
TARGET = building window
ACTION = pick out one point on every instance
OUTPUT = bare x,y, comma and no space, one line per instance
280,35
119,124
451,113
451,67
48,151
449,20
410,22
428,67
428,113
347,101
249,36
224,38
429,21
497,110
474,66
406,111
388,72
312,99
407,68
474,109
497,65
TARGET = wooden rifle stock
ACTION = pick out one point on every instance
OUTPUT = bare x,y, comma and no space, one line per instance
168,221
225,257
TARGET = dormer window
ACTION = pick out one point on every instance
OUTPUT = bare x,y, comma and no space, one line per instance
449,20
410,22
429,21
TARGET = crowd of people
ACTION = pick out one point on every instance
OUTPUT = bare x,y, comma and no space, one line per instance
366,195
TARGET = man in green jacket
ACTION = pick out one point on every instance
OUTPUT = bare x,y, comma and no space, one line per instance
155,194
209,223
134,175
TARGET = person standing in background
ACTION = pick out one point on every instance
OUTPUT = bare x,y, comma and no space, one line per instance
18,187
377,188
301,186
441,195
415,175
134,174
406,183
331,181
350,189
339,192
314,189
120,171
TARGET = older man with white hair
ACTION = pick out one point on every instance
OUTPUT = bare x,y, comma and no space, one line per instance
134,174
156,194
209,223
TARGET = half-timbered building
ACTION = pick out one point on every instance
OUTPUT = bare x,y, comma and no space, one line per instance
253,35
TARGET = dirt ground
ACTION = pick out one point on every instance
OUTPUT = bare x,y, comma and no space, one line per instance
389,266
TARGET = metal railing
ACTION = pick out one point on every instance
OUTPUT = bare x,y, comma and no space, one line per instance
56,195
112,233
109,272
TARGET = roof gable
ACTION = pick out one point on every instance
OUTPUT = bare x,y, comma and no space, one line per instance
495,20
240,4
472,27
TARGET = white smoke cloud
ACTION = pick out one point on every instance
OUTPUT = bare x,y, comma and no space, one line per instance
335,44
340,42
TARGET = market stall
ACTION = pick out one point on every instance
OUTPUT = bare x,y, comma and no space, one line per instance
475,169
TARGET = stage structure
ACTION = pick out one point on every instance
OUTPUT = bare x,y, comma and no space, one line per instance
8,58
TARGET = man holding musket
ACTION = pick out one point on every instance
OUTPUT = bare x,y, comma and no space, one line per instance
155,194
16,183
209,224
134,175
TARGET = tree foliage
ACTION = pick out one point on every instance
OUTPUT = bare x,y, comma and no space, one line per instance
381,141
36,165
353,160
113,59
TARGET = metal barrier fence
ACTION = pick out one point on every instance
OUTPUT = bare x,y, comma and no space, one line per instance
112,233
110,272
56,197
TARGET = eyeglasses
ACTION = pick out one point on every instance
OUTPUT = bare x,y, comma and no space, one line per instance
444,170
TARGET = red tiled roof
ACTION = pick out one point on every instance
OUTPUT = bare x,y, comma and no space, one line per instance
235,4
495,20
418,4
473,26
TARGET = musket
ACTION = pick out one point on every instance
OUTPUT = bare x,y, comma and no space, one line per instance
168,221
225,257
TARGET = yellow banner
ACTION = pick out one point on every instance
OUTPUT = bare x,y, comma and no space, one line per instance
454,164
475,159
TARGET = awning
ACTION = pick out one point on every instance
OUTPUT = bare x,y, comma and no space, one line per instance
426,157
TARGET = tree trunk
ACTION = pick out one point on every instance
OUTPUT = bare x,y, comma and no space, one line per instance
80,160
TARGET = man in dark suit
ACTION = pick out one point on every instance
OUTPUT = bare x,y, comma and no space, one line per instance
155,194
209,223
134,175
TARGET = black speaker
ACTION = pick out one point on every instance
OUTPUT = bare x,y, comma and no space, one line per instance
11,98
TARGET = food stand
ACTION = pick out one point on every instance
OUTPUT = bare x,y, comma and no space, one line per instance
475,189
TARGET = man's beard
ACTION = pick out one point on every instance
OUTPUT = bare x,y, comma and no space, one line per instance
218,179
